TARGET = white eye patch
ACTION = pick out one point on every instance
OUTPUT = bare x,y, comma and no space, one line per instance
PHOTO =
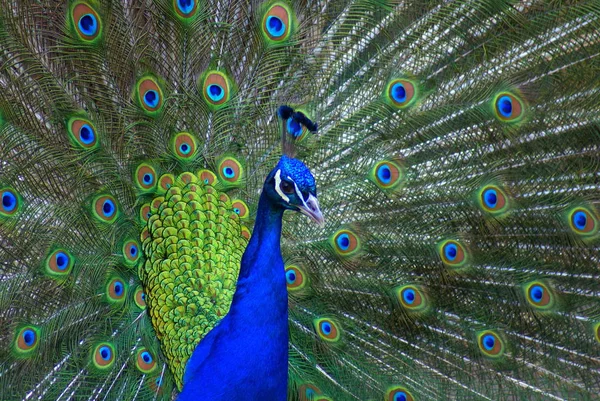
278,185
299,193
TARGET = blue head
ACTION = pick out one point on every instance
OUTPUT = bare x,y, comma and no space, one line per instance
292,186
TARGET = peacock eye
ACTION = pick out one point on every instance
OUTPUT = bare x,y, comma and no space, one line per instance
286,187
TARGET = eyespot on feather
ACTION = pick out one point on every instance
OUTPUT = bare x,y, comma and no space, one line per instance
139,297
103,356
86,22
490,344
345,242
59,263
185,9
240,208
386,174
398,393
26,341
184,145
277,23
508,107
453,254
82,133
400,93
10,202
105,208
144,361
216,89
493,199
308,392
230,171
207,177
165,182
131,252
327,329
539,295
412,297
583,222
149,95
116,290
597,331
295,278
145,212
145,177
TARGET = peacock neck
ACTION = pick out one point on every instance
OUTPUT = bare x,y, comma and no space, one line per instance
261,270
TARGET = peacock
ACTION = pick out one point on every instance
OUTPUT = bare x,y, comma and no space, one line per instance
300,200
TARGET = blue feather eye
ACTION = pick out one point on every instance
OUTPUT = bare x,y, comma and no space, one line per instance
10,202
103,356
583,222
150,95
86,133
412,298
26,341
276,24
400,93
538,295
386,174
508,107
230,171
115,290
345,242
493,199
295,278
240,208
185,9
105,208
144,361
207,177
82,133
308,392
88,25
327,329
186,6
215,92
184,146
86,22
145,177
151,98
131,252
398,393
490,343
58,264
216,88
139,297
452,253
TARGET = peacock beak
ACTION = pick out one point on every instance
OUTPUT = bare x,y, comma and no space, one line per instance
311,209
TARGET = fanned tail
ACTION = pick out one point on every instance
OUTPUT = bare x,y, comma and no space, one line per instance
456,159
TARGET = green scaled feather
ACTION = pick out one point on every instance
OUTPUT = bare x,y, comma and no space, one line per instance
464,123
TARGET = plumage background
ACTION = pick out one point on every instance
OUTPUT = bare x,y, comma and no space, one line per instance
424,107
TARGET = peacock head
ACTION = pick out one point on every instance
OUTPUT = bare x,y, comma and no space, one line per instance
292,186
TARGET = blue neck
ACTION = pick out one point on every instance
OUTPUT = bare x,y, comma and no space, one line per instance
262,265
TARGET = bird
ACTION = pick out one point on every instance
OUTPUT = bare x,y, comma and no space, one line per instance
161,233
